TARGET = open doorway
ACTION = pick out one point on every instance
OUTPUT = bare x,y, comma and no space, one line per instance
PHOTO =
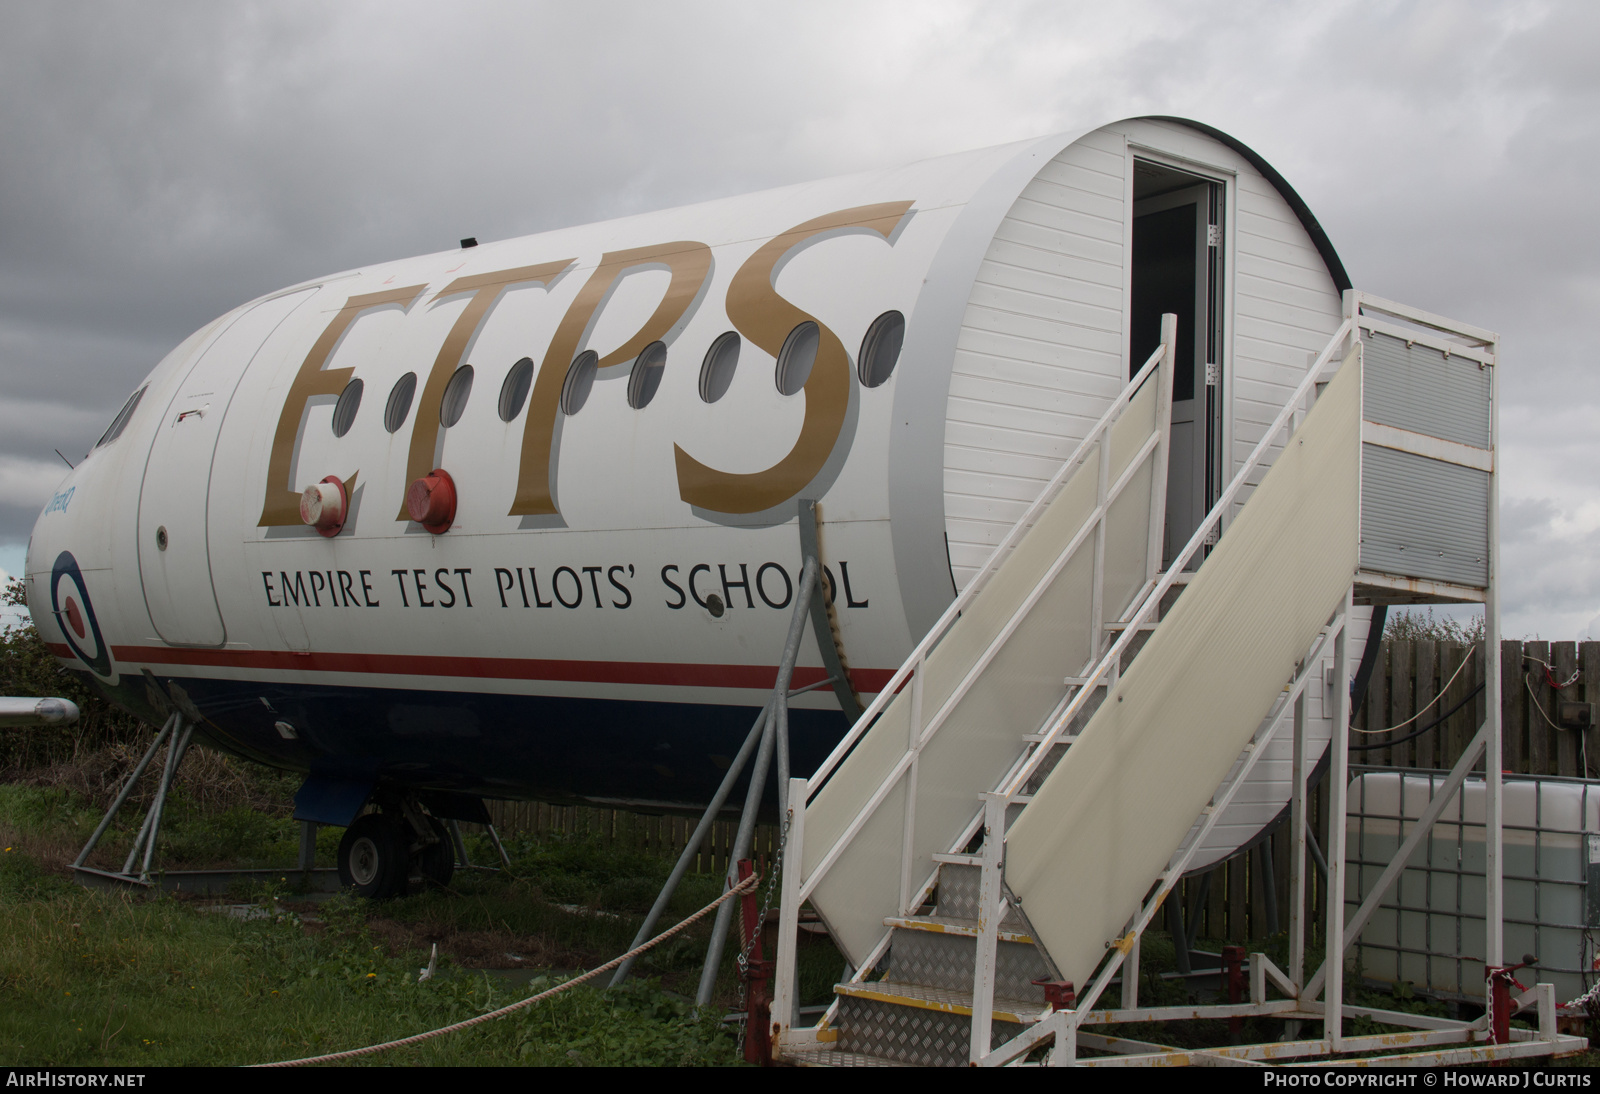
1177,267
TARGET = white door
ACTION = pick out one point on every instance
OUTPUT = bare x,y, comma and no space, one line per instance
174,561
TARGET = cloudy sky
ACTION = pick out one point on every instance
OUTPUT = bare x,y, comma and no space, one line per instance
163,162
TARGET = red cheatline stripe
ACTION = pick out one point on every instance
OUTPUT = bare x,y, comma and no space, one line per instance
753,677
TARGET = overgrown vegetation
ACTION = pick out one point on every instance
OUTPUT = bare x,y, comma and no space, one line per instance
93,978
1412,625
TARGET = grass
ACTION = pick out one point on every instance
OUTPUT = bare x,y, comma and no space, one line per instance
94,978
113,979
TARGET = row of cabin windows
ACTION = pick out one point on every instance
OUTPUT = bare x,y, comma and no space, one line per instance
880,350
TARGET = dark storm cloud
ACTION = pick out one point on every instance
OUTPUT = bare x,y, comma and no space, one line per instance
162,163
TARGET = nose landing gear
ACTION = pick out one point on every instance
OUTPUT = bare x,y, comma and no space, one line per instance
381,851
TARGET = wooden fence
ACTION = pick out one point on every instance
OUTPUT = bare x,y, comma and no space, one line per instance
1247,897
1235,904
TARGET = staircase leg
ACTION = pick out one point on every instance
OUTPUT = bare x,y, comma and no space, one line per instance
785,1000
1338,789
1298,848
994,834
1130,976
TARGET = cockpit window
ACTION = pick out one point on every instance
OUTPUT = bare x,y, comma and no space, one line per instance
120,422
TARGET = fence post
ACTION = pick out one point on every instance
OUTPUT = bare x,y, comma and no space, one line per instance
1564,656
1513,707
1589,661
1402,697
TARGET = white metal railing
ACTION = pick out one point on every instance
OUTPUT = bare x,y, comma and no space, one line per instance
1152,599
1001,552
921,729
983,981
797,889
921,733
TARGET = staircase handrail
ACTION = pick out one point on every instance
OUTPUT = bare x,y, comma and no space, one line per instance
1000,553
1019,777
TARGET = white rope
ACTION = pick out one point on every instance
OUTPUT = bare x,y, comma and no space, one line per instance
1538,705
743,886
1464,663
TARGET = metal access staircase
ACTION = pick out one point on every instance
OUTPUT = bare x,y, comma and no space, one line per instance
1007,817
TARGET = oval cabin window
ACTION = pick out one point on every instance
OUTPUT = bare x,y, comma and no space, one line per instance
646,375
514,392
344,411
799,353
399,405
579,382
716,373
454,402
880,349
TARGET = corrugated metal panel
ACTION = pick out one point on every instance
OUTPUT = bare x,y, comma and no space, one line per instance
1420,389
1121,800
1040,355
1423,518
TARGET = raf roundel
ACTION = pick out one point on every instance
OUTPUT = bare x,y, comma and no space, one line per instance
73,611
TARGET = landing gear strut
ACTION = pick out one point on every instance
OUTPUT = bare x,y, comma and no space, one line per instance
380,851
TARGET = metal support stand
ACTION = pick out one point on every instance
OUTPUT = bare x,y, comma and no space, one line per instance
777,723
127,788
769,735
308,845
177,733
494,838
686,859
462,860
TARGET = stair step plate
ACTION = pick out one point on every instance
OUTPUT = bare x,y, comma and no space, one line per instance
917,1025
945,1000
945,924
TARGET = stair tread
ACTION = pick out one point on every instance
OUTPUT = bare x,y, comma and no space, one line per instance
1025,1011
949,924
828,1054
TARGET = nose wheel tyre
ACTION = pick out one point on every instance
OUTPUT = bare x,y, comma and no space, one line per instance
374,856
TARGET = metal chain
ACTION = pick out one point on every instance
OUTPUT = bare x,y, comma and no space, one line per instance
743,959
1583,1000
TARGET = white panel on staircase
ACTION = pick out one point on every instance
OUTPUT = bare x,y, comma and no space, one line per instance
1107,820
982,736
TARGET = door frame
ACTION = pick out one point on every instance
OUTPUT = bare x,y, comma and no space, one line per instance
1225,177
